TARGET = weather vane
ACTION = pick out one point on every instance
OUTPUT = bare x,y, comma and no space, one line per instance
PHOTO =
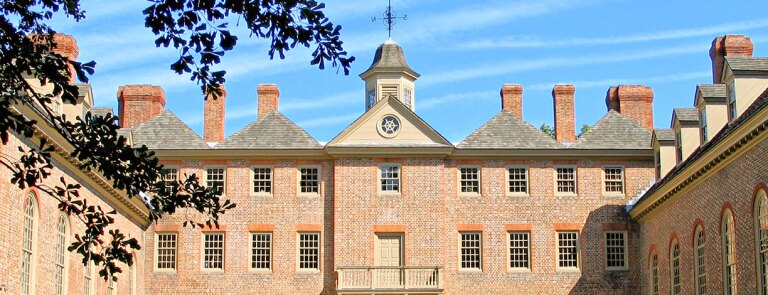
389,18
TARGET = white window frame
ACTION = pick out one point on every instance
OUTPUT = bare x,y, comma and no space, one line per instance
761,238
577,267
575,180
62,242
479,180
251,259
527,247
111,285
399,179
527,180
623,181
31,201
728,244
703,125
157,252
253,179
625,258
88,281
319,252
653,274
132,277
319,182
223,251
164,179
674,270
699,269
224,169
730,101
461,247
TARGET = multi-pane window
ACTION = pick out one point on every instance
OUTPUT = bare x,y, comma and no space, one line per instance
213,251
616,250
261,251
169,177
517,180
309,251
309,180
262,180
654,274
469,180
132,279
371,98
566,180
658,165
761,228
731,92
61,254
471,251
88,278
390,178
407,96
519,250
614,180
166,251
568,249
27,249
674,268
701,271
703,125
729,254
679,146
215,179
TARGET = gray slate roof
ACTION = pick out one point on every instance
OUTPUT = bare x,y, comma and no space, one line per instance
390,55
712,90
614,131
508,131
686,114
664,134
166,132
747,63
272,131
102,111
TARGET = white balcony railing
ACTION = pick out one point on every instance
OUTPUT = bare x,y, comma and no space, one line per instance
389,278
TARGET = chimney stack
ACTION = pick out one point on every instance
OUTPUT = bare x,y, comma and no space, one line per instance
565,124
633,101
268,98
512,99
65,45
139,103
728,45
213,117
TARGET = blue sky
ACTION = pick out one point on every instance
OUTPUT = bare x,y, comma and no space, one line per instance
464,51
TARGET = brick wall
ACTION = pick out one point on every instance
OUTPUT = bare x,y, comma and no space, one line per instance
139,103
12,213
733,184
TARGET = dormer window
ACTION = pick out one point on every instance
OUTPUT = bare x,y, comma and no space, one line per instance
730,92
679,146
703,125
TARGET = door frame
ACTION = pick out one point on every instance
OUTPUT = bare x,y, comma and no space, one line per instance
376,245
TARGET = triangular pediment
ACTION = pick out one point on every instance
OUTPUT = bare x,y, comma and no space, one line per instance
375,128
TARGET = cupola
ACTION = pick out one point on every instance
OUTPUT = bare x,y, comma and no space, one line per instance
389,74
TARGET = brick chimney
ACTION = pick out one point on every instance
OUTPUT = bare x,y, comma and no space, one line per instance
139,103
268,98
728,45
565,124
213,117
633,101
512,98
65,45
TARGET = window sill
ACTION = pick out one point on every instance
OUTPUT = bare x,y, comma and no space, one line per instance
470,271
470,195
617,269
309,195
573,270
609,195
519,270
518,195
212,271
566,195
164,271
308,271
390,194
260,271
262,195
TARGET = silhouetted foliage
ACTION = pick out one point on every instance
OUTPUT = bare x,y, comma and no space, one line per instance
201,31
547,129
584,129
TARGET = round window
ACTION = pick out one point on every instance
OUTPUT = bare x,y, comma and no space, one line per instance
389,126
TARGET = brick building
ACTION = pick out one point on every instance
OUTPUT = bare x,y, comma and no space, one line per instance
389,206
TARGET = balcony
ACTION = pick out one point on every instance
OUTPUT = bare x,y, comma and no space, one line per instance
389,279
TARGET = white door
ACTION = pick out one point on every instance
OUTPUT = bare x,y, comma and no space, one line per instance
390,249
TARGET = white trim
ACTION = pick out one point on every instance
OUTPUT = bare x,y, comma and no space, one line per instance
223,252
319,182
377,246
759,271
672,259
725,242
604,181
479,180
480,261
509,251
557,251
251,181
205,177
575,180
271,252
175,253
319,252
527,181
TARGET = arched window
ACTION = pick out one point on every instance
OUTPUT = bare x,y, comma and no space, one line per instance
28,246
88,278
729,253
674,267
700,269
62,230
761,232
653,272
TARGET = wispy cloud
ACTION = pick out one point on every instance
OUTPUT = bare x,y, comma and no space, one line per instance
617,81
330,120
432,102
536,42
515,66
